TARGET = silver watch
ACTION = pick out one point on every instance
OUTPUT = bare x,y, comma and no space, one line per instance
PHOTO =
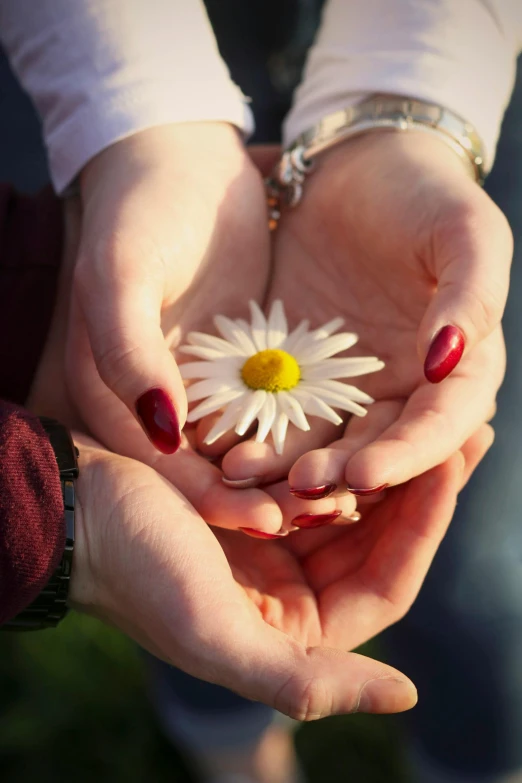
285,185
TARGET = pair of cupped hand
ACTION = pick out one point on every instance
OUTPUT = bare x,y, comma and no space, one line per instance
393,236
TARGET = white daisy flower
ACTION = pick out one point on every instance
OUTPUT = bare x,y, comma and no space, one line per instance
261,371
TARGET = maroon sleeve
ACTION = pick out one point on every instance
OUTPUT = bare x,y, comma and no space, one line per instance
32,526
31,236
32,529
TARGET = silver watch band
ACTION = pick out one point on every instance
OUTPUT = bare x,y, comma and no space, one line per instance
285,186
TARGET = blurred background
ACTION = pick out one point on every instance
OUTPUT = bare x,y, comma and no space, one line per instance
73,706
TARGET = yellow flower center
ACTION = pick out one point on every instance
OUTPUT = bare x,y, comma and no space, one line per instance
272,370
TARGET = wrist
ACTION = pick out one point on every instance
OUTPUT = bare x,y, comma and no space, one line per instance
385,151
379,113
189,146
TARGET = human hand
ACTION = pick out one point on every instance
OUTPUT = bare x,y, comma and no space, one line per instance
271,620
392,235
168,216
107,417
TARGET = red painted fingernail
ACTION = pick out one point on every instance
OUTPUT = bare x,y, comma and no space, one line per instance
250,531
315,520
362,492
314,493
159,420
444,354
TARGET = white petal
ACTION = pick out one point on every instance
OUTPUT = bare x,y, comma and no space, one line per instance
277,330
221,368
335,399
225,423
295,336
279,428
351,392
245,326
342,368
254,403
214,403
325,348
266,418
217,343
235,334
259,326
202,352
202,389
302,343
314,406
293,410
328,329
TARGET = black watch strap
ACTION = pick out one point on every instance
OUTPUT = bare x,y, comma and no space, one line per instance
50,607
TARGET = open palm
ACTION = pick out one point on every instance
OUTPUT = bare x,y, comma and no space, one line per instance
271,620
392,235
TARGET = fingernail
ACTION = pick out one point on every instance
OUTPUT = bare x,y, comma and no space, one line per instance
383,695
362,492
159,420
444,354
315,520
246,483
250,531
314,493
355,517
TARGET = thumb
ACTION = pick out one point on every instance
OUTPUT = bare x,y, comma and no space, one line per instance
309,683
123,323
471,257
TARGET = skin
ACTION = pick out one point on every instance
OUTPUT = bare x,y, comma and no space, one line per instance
271,620
393,235
268,619
435,225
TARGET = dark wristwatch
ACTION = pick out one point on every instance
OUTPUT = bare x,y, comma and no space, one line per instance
50,606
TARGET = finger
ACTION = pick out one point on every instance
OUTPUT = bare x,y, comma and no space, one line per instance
435,422
404,533
306,683
471,258
323,470
310,515
121,300
248,459
475,449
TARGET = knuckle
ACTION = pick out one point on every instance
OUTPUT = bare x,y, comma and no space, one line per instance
304,699
484,306
116,360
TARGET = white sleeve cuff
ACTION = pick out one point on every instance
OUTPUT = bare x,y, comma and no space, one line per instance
460,55
101,70
109,118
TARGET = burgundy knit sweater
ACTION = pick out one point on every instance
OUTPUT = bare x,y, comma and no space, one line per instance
32,528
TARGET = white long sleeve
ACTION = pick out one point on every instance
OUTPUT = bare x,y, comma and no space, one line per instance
460,54
100,70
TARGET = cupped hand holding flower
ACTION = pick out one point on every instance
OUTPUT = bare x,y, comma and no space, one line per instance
167,215
393,236
100,411
262,371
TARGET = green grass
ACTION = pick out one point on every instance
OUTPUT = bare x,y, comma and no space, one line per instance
73,707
